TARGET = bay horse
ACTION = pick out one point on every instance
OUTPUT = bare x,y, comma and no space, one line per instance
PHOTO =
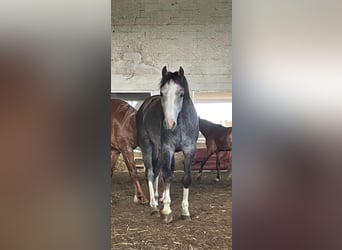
217,138
124,141
168,123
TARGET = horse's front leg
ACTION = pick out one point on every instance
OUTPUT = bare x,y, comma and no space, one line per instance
149,173
189,154
153,202
167,175
173,165
217,166
158,187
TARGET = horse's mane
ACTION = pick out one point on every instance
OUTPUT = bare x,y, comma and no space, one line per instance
181,80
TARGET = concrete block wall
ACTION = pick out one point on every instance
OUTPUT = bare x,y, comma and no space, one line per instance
194,34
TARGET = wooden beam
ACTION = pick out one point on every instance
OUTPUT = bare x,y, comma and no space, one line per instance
205,97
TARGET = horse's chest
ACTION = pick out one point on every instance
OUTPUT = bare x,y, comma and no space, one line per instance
175,138
172,136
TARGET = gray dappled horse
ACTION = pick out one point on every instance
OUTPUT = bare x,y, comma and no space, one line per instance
168,123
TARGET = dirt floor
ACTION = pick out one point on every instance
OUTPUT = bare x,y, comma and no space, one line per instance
210,205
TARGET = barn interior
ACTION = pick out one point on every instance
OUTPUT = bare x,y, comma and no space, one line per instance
197,35
149,34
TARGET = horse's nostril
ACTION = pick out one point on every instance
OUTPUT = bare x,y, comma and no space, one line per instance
171,123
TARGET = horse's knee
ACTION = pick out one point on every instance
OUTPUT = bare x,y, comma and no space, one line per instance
186,181
168,176
150,175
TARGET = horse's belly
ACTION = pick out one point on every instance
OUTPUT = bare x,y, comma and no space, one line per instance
223,146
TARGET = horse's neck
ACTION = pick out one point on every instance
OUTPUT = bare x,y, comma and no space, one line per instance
188,112
188,104
205,128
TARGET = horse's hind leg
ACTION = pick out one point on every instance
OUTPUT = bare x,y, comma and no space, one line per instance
230,167
202,165
114,158
128,156
218,166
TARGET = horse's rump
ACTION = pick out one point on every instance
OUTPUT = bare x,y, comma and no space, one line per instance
223,138
123,122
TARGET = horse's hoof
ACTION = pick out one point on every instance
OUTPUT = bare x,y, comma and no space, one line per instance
155,212
186,217
135,199
140,200
217,179
143,201
167,218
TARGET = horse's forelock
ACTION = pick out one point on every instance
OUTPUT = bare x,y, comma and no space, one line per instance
180,80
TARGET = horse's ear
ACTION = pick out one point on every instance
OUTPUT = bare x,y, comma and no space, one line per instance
164,71
181,71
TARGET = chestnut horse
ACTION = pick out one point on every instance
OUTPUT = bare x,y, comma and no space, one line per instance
124,140
217,138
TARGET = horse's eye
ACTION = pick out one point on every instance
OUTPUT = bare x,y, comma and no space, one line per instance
161,94
181,95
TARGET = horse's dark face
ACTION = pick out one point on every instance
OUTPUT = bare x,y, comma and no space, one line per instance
172,94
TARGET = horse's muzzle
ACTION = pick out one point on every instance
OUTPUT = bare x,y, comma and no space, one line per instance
169,123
